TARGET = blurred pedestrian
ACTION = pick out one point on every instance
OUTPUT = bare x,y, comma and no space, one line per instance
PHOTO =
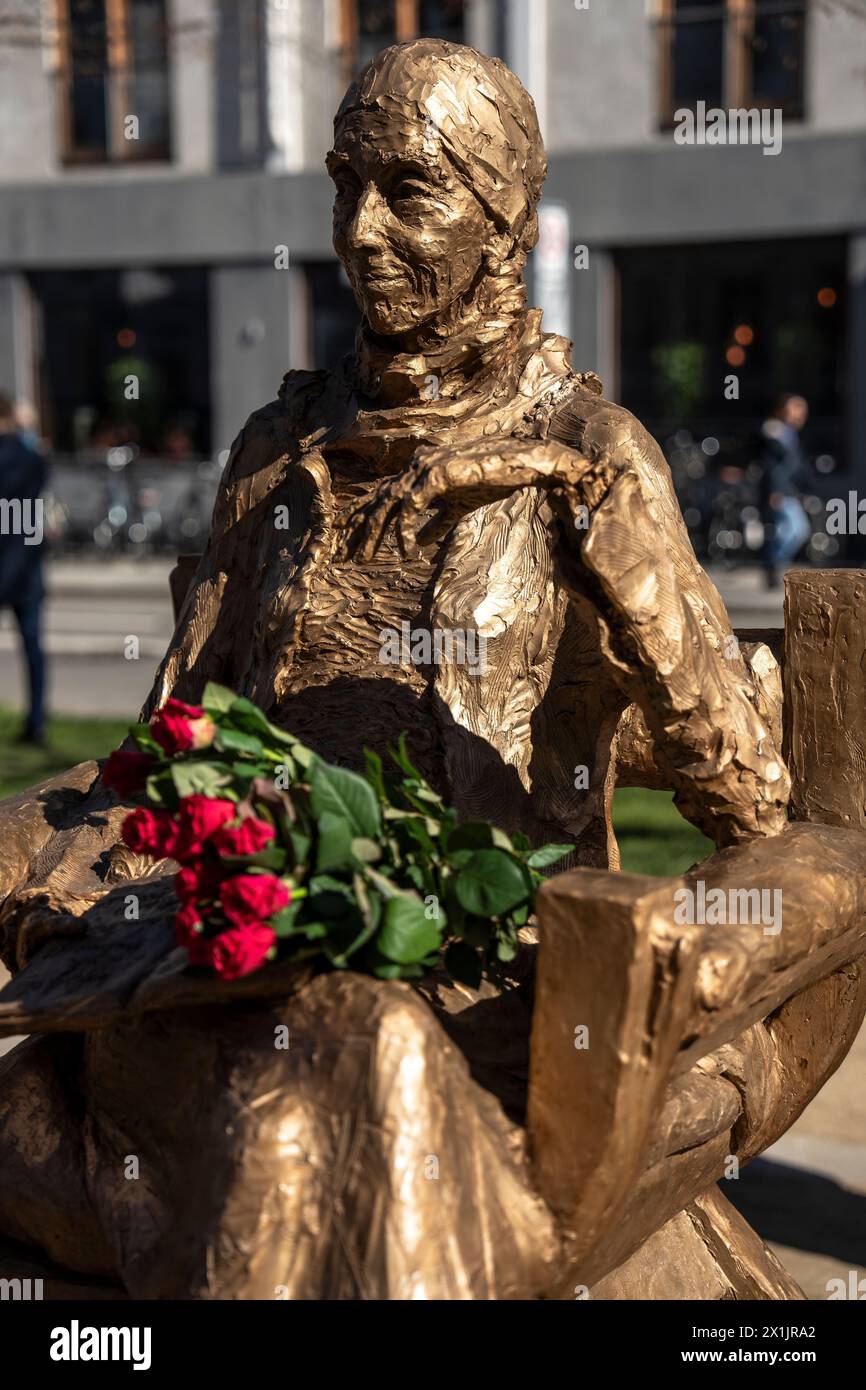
23,472
784,477
27,420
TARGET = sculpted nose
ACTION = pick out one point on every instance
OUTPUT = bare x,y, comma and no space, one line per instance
366,225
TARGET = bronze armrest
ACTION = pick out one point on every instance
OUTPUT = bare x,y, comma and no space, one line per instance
668,1005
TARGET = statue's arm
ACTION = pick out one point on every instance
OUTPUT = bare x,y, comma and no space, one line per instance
622,548
215,622
672,658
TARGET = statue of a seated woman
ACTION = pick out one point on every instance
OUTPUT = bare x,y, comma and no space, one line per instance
454,476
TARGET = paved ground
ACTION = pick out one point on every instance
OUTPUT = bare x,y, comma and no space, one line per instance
807,1196
92,609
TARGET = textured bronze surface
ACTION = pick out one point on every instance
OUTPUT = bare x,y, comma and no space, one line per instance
454,474
824,632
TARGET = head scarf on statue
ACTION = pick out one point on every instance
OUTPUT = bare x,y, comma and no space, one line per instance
438,164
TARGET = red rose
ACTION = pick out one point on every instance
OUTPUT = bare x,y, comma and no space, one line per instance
198,817
240,950
198,880
250,837
193,941
178,727
150,832
186,919
252,897
126,771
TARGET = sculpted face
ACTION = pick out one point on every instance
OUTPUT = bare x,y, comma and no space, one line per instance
410,234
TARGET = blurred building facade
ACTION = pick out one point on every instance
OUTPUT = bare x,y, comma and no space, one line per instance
166,215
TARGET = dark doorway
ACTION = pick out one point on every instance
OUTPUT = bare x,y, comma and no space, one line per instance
103,331
770,313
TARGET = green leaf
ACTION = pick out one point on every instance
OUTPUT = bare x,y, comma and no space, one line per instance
303,756
315,931
371,911
245,772
490,883
422,798
248,718
407,935
375,775
380,881
400,756
300,846
368,851
283,922
548,854
217,699
345,794
329,897
231,741
463,964
161,790
145,741
273,859
208,779
477,835
418,827
334,843
387,971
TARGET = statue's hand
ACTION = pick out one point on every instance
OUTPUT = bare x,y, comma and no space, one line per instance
452,482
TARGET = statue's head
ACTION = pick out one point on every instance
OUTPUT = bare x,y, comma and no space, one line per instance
438,164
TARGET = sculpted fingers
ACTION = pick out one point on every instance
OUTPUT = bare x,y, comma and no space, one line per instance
451,483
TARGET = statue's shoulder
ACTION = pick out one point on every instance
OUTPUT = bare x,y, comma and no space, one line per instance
302,397
306,407
591,424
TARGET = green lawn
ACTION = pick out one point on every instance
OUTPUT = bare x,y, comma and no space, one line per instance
653,837
69,741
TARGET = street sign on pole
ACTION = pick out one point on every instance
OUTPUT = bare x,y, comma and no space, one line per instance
552,268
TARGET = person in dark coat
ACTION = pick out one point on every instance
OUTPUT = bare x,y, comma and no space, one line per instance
784,476
23,471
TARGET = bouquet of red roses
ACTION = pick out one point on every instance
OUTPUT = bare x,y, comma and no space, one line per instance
282,855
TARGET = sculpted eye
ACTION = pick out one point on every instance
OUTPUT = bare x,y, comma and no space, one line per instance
408,189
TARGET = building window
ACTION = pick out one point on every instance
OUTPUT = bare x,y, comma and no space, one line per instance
114,87
774,37
731,54
370,25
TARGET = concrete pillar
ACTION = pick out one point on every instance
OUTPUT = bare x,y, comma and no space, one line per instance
483,27
284,40
594,316
526,49
17,347
193,29
250,343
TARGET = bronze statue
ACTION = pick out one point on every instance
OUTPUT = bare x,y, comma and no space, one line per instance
455,475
